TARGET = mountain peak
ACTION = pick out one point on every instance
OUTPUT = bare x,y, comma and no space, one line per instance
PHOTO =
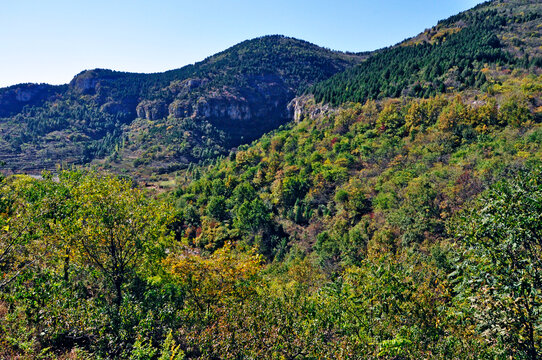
228,99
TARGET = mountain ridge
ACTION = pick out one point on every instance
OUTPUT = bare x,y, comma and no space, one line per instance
452,54
231,97
157,123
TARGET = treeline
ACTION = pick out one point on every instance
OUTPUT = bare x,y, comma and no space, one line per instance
452,60
295,62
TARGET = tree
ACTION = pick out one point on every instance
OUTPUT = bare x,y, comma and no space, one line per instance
216,208
252,215
116,225
515,112
502,266
23,212
293,188
226,274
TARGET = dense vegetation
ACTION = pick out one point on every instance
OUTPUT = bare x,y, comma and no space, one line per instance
341,236
396,228
230,98
325,175
450,56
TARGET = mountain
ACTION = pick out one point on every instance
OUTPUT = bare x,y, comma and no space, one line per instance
163,120
367,167
454,55
396,223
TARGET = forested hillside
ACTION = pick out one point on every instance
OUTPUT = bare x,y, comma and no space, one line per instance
399,226
360,233
163,120
454,55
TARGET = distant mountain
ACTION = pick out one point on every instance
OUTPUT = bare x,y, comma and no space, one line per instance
185,115
346,184
146,124
454,55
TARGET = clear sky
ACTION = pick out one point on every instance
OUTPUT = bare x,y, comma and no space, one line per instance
52,40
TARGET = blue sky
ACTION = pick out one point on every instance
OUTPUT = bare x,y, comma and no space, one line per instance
51,41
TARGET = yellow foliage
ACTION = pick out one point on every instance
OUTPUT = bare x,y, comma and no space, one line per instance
523,154
212,235
224,275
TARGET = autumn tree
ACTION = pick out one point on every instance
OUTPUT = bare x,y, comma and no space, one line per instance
226,274
116,225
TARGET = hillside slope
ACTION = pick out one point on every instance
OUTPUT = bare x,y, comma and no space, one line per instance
392,228
186,115
460,53
392,170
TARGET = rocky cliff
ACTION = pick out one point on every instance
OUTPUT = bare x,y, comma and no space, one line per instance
14,98
189,114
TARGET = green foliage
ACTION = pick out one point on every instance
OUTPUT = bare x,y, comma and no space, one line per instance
416,70
502,269
170,350
142,350
430,63
217,208
251,215
356,264
376,235
326,239
92,244
515,112
293,188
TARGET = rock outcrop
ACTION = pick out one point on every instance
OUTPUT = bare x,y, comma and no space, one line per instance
152,110
183,88
14,98
86,82
180,109
306,107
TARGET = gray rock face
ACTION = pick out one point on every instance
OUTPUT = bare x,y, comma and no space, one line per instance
89,82
305,107
85,83
296,108
25,92
227,108
180,109
14,98
152,110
